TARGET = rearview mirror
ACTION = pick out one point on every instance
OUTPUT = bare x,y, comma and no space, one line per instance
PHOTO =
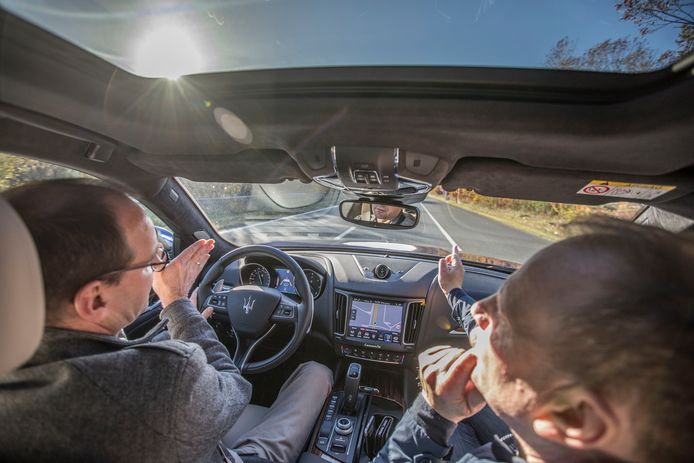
379,214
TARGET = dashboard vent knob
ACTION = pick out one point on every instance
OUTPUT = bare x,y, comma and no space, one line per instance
381,271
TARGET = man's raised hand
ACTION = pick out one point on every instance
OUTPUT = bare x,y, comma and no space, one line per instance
451,271
175,281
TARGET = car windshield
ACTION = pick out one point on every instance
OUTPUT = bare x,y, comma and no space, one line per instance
156,38
489,230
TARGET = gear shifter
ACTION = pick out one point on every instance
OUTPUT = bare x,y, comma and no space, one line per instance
352,387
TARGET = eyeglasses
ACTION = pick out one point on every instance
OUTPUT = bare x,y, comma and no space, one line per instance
157,266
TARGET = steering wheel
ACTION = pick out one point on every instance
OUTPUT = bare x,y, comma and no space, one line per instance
255,311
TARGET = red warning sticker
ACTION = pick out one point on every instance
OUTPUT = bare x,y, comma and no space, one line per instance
624,190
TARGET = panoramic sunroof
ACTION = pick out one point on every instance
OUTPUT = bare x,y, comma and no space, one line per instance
155,38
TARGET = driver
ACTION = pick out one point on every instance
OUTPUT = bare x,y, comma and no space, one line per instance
88,394
586,352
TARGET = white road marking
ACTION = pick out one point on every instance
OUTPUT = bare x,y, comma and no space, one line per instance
443,232
226,230
344,233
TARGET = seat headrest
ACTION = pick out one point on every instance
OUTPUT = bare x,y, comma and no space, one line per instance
22,309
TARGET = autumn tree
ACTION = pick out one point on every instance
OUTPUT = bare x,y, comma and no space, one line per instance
616,55
653,15
632,54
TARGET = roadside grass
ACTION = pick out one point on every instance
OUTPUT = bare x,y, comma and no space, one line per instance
545,220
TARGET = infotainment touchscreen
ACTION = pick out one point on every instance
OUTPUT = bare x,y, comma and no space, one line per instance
375,320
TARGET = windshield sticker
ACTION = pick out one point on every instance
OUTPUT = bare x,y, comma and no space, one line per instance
624,190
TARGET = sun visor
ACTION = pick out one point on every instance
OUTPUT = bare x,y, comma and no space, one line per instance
509,179
249,166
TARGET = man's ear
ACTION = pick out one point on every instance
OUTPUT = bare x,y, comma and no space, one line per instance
578,419
90,302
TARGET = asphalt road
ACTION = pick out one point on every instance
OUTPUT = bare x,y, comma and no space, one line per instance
440,225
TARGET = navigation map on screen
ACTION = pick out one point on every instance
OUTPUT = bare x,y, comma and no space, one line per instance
375,320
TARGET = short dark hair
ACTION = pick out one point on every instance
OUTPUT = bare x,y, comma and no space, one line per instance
633,329
76,232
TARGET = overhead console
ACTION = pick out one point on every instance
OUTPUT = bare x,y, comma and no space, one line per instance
383,172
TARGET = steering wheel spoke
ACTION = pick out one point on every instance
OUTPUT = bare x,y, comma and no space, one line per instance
245,348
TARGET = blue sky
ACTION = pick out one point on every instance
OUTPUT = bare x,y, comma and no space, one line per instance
247,34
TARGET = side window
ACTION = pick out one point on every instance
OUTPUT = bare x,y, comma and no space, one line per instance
16,171
164,233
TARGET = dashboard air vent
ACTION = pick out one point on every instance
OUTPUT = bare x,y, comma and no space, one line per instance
412,320
340,313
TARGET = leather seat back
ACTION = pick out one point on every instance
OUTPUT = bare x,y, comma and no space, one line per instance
22,306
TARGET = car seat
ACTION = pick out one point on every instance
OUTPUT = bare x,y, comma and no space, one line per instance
22,309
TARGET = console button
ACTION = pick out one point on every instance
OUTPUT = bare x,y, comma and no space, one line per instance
325,429
340,443
344,423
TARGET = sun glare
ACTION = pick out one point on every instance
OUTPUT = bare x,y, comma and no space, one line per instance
167,51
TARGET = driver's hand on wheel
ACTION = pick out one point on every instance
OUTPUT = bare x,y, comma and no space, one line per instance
175,281
451,271
444,373
207,313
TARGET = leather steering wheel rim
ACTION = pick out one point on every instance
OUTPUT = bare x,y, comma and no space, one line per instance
303,310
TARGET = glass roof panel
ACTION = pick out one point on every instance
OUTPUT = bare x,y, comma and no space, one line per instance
156,38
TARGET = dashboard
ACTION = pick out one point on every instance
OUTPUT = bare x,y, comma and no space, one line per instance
370,306
377,309
273,275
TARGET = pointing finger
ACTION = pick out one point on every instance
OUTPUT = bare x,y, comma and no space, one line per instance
456,255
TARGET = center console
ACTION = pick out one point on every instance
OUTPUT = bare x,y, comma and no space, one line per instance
354,425
376,328
381,332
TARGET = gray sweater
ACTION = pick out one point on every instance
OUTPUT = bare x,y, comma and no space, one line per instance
88,397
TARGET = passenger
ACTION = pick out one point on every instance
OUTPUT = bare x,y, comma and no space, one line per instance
90,395
586,352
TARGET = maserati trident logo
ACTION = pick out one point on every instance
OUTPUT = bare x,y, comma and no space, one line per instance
248,304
